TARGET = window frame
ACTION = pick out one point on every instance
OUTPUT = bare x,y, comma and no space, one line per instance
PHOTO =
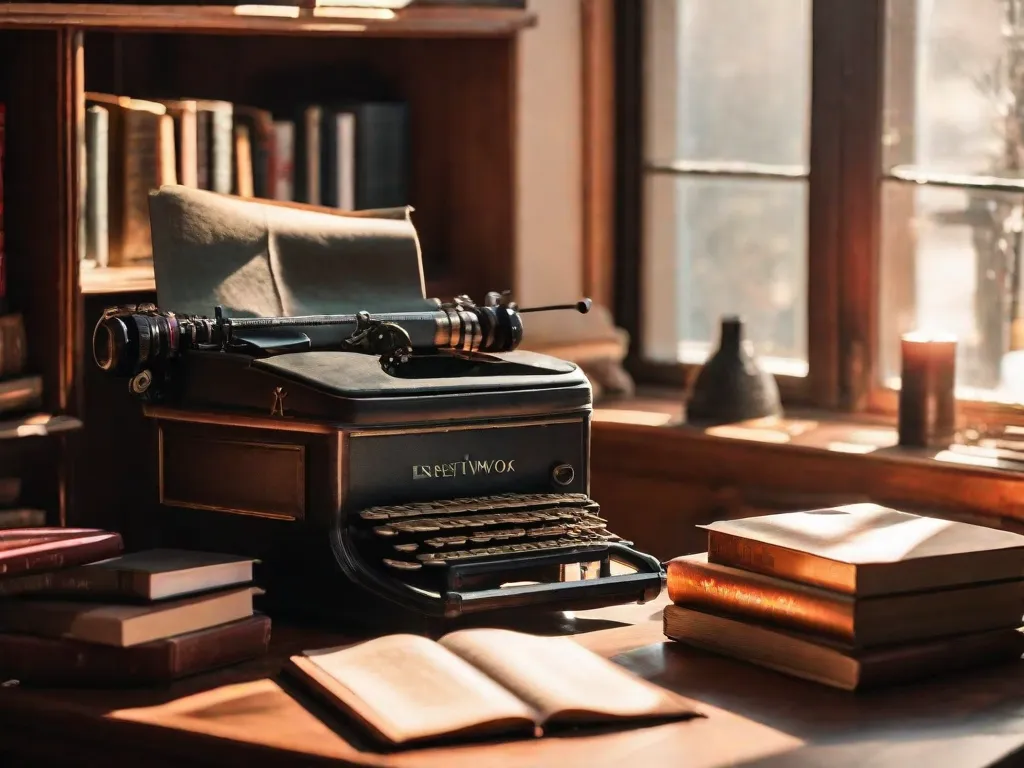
844,186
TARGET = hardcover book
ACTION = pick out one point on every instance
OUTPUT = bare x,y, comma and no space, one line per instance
124,625
34,660
156,574
867,549
698,584
30,550
838,664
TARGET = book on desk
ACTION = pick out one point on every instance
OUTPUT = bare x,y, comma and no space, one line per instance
75,611
854,597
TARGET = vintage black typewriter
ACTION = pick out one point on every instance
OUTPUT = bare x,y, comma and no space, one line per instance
394,462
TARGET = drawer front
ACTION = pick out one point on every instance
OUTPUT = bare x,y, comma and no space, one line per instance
395,466
205,469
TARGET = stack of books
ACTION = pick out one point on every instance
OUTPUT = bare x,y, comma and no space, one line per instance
854,596
74,611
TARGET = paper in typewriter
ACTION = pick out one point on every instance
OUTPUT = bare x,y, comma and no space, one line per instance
266,259
404,689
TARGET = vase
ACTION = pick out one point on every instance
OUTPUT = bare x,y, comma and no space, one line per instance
731,386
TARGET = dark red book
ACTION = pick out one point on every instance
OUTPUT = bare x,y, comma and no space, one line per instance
46,661
3,260
31,550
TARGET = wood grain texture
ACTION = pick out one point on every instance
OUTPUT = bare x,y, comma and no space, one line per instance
680,477
598,48
280,20
754,717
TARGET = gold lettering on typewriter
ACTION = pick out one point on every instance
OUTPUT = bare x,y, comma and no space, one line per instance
466,467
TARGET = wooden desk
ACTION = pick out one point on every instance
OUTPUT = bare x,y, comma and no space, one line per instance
248,715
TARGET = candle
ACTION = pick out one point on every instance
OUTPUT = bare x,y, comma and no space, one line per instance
927,417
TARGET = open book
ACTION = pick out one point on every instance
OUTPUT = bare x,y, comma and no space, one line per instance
403,689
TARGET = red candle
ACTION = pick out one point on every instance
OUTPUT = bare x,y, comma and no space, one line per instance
927,417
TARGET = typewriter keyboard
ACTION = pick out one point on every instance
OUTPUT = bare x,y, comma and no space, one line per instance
429,536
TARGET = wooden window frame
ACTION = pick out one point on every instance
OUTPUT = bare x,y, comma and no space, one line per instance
848,81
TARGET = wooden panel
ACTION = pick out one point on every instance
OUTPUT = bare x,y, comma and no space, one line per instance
461,95
269,19
39,218
659,515
258,479
749,477
115,486
598,45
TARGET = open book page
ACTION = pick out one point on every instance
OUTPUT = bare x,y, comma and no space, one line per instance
562,680
406,688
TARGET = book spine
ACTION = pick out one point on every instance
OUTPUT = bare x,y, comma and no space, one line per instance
782,563
97,149
282,163
381,138
3,257
13,345
21,394
44,661
747,595
222,150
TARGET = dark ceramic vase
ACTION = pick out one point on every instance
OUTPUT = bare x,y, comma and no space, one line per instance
731,386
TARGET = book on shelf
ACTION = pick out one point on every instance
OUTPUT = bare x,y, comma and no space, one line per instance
3,259
20,394
21,518
405,689
353,156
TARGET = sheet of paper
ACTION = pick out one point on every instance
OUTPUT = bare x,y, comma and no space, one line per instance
262,259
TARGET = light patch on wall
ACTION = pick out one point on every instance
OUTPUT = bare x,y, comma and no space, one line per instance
549,265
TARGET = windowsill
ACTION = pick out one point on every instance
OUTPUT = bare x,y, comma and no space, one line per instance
658,417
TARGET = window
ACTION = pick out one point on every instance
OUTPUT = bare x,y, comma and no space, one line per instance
952,202
837,174
725,177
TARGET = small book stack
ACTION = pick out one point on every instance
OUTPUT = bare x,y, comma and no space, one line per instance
854,597
74,611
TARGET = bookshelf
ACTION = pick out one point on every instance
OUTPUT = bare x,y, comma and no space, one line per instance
454,67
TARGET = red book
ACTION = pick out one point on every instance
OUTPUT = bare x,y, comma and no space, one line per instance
56,662
3,261
31,550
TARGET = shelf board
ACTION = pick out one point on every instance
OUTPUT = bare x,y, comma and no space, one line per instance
273,19
100,280
37,425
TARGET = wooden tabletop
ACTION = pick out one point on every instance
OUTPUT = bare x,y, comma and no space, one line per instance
753,718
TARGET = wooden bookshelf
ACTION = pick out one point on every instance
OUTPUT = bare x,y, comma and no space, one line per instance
276,19
455,68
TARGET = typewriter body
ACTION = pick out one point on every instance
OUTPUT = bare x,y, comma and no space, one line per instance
400,463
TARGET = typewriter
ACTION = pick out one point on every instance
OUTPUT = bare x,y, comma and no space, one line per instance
400,462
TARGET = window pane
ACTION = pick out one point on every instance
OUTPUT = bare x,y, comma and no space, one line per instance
728,80
718,246
948,262
950,86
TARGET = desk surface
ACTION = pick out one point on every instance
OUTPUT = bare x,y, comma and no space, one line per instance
754,717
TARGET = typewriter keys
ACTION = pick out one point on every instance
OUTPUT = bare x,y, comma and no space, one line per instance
493,527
